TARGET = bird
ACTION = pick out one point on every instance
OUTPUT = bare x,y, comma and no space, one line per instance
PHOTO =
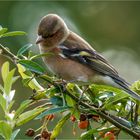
73,59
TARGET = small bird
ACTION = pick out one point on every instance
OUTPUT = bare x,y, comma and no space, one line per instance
73,59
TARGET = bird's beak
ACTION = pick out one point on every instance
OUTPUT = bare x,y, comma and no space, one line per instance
39,39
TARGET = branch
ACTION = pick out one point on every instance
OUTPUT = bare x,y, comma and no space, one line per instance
4,51
112,119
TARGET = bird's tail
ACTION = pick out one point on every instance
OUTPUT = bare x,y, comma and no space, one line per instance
123,85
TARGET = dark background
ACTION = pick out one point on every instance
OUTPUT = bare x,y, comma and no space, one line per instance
113,28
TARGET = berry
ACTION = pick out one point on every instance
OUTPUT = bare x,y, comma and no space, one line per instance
45,134
50,117
72,118
109,135
83,117
30,132
83,124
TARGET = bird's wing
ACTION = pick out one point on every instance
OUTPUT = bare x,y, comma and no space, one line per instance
78,50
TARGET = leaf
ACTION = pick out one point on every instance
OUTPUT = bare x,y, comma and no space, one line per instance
59,126
115,99
28,115
32,66
24,49
14,33
2,102
70,101
1,88
2,31
14,134
8,82
40,55
22,107
5,130
10,105
33,84
5,70
56,100
15,79
52,111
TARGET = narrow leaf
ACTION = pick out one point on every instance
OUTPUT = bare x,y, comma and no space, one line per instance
14,33
2,31
14,134
33,84
40,55
115,99
52,110
5,70
8,82
5,130
59,126
56,100
29,115
32,66
22,107
2,102
24,49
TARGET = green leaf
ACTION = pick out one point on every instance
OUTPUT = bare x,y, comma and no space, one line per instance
40,55
59,126
2,31
5,70
1,88
70,101
8,82
15,79
10,105
56,100
5,130
14,134
27,116
24,49
2,102
115,99
32,66
22,107
52,110
14,33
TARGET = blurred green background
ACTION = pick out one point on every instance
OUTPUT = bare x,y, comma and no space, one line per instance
113,28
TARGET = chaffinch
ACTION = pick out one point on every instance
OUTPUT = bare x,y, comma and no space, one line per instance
73,59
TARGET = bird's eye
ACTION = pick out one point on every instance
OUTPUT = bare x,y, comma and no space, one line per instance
48,36
51,35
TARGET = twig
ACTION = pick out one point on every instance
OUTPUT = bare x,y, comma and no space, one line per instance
7,53
112,119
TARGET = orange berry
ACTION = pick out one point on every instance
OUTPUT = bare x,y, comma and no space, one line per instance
109,135
72,118
83,124
50,117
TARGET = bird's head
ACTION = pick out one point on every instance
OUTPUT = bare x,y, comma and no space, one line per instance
52,31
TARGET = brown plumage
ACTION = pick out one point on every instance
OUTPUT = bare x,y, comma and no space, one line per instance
73,58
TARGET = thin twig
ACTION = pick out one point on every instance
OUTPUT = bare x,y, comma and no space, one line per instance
112,119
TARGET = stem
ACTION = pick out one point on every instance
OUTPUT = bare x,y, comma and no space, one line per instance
112,119
7,53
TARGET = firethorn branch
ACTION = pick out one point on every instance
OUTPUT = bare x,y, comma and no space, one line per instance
116,121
